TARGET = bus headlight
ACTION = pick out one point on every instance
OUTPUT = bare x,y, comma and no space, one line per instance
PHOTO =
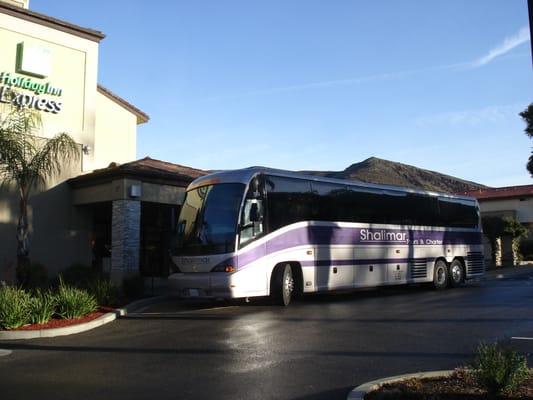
224,268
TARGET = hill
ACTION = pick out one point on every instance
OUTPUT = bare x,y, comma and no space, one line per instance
377,170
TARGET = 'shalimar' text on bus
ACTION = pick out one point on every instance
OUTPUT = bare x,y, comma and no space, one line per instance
383,235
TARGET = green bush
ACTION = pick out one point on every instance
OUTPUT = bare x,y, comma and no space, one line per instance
499,369
134,287
74,302
31,275
14,307
105,292
42,306
79,275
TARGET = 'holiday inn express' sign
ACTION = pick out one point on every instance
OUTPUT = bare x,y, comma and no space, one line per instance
34,61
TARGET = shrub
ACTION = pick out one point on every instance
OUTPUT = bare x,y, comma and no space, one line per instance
14,307
31,275
134,287
499,369
42,306
78,275
74,302
105,292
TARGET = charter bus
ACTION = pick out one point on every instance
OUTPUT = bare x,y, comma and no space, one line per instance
265,232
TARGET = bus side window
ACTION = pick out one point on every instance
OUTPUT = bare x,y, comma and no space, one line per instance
290,200
330,202
458,214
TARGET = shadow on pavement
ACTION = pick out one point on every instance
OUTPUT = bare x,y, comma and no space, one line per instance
207,351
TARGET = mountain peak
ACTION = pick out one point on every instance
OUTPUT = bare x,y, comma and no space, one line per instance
381,171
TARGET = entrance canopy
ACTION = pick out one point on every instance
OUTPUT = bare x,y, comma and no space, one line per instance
125,242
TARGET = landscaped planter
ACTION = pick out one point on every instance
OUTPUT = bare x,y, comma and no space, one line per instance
61,327
450,384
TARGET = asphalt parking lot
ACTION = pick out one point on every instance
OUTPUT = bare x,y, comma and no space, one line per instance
318,348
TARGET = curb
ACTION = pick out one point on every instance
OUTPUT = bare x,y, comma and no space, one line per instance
136,305
53,332
360,391
86,326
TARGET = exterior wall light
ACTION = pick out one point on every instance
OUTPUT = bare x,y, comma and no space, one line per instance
135,191
86,149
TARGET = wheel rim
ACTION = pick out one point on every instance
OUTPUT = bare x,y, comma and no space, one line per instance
288,284
441,275
457,273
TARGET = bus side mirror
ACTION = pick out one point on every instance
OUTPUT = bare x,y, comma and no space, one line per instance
254,213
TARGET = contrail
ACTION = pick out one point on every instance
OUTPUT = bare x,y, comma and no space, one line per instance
502,49
508,44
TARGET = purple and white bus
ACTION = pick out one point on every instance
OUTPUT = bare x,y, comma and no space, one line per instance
264,232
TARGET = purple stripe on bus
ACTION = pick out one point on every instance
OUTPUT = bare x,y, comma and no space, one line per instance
368,261
317,235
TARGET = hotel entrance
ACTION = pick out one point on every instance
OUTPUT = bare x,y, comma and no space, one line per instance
133,209
158,229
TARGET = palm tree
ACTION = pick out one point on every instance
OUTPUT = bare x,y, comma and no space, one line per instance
29,161
527,116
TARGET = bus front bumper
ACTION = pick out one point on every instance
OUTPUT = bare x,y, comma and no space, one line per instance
202,285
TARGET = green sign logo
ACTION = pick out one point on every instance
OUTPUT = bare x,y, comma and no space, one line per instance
33,60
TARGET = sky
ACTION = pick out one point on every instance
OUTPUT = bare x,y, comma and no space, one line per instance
314,84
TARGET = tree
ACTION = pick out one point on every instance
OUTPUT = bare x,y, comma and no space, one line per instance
517,231
497,227
527,116
29,161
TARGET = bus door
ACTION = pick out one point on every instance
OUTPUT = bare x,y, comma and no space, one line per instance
251,228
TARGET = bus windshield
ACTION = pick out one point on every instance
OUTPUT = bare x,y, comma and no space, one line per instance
208,219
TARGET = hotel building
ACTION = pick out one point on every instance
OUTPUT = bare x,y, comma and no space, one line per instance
106,210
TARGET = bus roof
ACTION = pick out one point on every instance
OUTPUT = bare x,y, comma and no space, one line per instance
244,176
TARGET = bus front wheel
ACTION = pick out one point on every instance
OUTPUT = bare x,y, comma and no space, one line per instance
282,285
440,275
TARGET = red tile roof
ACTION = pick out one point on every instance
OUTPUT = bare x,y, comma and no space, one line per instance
147,168
148,164
500,193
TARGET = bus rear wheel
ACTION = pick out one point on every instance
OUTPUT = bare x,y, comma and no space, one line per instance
457,274
440,275
282,285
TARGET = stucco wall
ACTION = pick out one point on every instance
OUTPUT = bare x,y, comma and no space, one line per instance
116,133
523,209
59,232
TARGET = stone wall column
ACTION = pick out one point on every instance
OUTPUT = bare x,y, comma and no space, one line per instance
125,239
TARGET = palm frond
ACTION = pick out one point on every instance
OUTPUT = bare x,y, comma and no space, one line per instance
26,159
52,156
16,144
